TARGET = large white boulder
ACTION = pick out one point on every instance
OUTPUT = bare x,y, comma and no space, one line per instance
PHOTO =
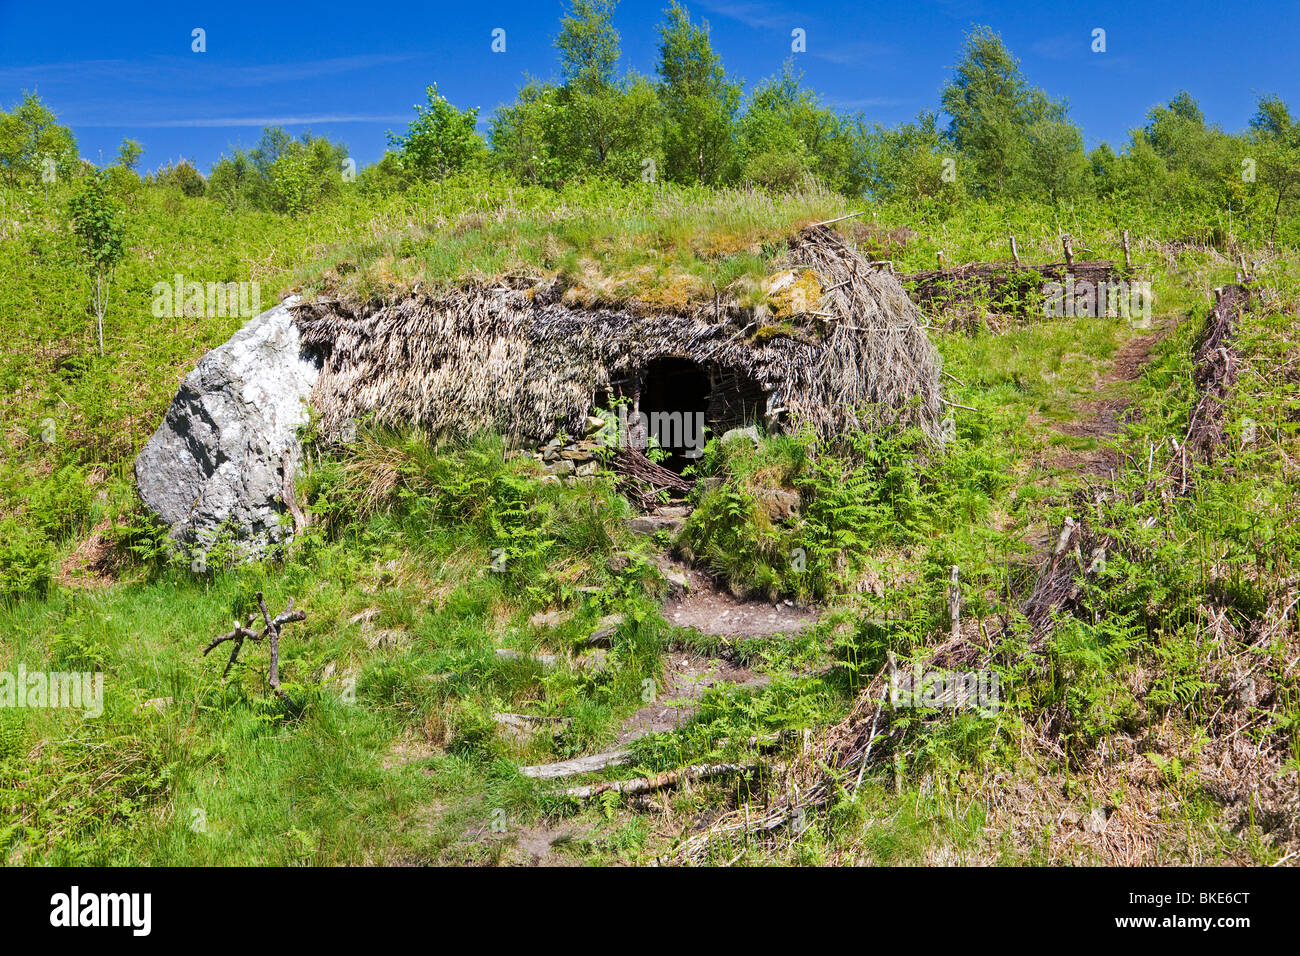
217,460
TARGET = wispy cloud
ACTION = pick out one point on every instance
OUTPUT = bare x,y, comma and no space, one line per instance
1078,47
233,121
194,71
760,16
271,73
866,102
1062,46
862,53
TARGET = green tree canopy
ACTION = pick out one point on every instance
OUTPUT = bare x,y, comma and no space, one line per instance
281,174
785,127
588,45
1005,129
29,135
441,139
1277,140
699,102
593,122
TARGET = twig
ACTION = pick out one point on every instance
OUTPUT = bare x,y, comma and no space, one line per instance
852,215
271,629
866,756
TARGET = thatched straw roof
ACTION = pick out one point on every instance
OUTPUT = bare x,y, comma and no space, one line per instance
515,358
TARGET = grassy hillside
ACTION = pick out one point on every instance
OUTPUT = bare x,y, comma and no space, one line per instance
1160,723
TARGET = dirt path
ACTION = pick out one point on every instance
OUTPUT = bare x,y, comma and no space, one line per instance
1100,419
687,677
716,612
695,602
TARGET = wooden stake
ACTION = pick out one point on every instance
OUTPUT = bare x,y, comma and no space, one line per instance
954,603
1128,255
1015,254
1069,251
940,255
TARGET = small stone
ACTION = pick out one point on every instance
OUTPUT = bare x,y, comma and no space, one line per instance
650,524
1096,822
618,562
586,470
562,468
673,511
549,480
780,505
594,663
606,627
750,432
1247,693
678,582
546,660
591,424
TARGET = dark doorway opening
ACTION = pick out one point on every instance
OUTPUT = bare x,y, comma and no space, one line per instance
681,403
674,406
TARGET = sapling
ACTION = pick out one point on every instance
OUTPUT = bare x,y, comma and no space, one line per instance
97,224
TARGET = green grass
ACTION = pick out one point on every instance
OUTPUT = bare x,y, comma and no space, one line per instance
386,752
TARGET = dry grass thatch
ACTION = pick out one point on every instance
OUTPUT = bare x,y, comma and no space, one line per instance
515,358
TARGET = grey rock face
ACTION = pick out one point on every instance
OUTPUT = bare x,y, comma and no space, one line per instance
217,459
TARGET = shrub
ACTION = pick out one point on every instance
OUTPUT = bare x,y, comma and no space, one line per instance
181,175
26,558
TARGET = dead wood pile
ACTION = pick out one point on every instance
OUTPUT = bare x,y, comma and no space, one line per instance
999,280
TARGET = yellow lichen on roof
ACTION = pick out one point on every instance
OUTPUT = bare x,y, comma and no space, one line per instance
791,293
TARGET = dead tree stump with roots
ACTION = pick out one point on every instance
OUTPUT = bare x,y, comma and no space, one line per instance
270,629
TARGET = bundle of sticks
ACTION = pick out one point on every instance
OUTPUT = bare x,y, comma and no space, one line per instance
641,480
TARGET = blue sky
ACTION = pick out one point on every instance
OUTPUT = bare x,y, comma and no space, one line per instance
352,70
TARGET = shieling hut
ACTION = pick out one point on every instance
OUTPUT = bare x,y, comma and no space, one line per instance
516,358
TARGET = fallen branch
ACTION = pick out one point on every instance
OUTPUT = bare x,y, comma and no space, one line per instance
852,215
659,781
270,629
571,768
641,479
